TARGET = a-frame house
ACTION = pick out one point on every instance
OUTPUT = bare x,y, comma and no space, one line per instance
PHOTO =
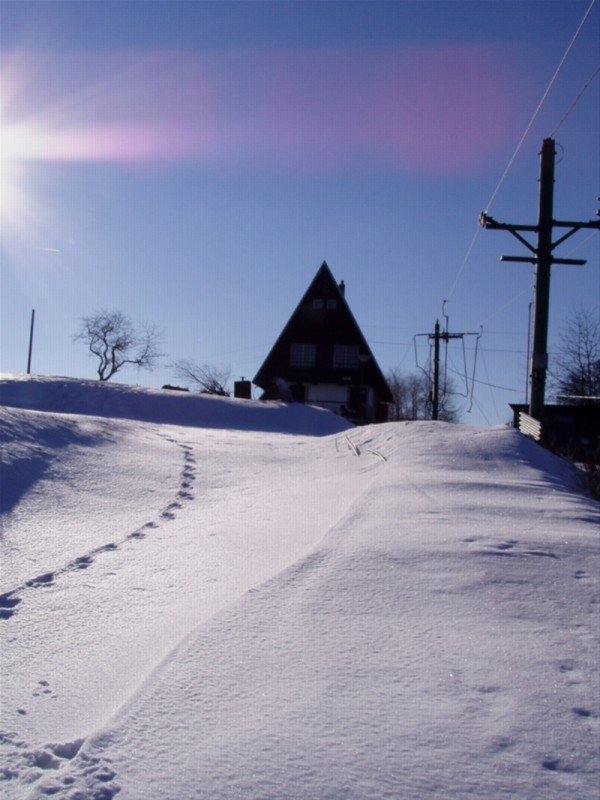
321,357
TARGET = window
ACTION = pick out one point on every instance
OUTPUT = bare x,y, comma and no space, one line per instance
303,355
345,356
331,304
317,302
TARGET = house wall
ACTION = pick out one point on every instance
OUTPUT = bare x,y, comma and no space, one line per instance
335,396
327,392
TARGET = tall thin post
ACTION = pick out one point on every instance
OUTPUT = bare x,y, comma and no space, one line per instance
30,341
435,396
539,356
542,257
527,368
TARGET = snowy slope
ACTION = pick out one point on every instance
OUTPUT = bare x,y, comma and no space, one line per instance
401,611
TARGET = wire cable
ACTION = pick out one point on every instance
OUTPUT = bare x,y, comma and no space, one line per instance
487,375
482,412
464,263
574,103
522,140
493,385
581,243
540,104
507,304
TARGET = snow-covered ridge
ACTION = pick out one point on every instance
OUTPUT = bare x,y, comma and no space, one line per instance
403,611
75,396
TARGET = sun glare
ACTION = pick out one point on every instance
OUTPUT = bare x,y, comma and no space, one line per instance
12,197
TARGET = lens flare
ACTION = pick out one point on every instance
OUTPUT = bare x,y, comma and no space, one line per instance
12,196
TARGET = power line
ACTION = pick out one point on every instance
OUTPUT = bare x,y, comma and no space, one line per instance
507,304
482,412
464,263
487,375
540,104
583,241
574,103
524,136
492,385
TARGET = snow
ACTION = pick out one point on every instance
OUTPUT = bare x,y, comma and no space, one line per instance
201,598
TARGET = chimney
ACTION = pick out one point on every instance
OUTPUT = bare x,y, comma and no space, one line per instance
342,288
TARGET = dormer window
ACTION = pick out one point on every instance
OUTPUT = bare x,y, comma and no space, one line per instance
317,302
331,304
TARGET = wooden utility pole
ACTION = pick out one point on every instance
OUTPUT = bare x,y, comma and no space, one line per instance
435,394
542,259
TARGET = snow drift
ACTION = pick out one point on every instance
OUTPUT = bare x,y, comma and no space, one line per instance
397,611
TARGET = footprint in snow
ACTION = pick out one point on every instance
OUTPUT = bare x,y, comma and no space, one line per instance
542,553
556,765
43,688
47,579
83,562
8,600
106,548
585,713
8,604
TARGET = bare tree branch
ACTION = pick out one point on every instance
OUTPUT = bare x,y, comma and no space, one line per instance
577,364
412,397
112,338
207,378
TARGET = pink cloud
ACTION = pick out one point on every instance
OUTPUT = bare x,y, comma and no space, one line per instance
429,110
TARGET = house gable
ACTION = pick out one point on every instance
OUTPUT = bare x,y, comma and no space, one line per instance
322,344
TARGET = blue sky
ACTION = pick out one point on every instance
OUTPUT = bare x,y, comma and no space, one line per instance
192,164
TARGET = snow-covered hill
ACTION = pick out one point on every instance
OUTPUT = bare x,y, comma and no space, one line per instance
200,598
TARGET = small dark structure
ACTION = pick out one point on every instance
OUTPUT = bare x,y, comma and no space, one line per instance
572,430
242,389
321,357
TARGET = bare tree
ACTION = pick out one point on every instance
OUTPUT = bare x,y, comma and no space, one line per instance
412,397
207,378
577,366
113,339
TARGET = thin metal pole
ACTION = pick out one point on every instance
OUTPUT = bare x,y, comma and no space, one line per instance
30,341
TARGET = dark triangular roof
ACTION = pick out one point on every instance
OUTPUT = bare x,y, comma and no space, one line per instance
305,326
